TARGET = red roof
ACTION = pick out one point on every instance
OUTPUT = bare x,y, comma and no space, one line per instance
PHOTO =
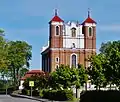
56,19
34,72
30,73
89,20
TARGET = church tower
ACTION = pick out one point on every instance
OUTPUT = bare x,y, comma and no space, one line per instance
89,31
56,31
70,43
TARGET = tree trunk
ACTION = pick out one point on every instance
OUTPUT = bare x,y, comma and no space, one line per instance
96,87
14,77
17,74
99,87
110,86
86,86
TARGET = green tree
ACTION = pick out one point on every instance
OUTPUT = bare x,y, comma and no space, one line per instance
96,70
22,72
40,81
111,51
2,32
4,61
19,54
3,53
65,77
83,76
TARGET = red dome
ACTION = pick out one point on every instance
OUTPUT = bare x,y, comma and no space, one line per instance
89,20
56,19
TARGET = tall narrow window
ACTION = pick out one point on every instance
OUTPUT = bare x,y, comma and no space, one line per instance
90,31
74,60
73,31
57,66
57,30
57,59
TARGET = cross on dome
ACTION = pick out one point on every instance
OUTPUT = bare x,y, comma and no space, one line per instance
56,12
88,12
89,19
56,18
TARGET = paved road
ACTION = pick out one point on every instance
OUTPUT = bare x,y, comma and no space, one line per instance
7,98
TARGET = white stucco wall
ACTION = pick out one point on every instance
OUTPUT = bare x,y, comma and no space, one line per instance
21,84
68,40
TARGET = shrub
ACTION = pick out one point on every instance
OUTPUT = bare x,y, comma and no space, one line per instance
41,93
28,92
9,90
24,91
100,96
59,95
35,93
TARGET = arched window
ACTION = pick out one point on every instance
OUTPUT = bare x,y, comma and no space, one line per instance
57,59
90,31
73,31
74,60
57,66
57,30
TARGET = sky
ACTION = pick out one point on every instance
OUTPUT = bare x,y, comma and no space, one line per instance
27,20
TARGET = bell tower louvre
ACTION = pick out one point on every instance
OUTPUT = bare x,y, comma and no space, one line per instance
70,43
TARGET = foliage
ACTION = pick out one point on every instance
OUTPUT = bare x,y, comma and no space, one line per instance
58,95
4,62
14,55
19,54
2,32
23,71
35,93
105,67
64,77
83,76
96,70
40,81
24,91
101,96
111,51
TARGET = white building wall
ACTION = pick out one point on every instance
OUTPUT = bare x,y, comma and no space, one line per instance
21,85
68,40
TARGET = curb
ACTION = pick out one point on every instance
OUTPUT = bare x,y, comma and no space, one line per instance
32,98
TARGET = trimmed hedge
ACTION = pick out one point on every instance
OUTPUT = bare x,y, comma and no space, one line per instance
35,93
101,96
24,91
28,92
58,95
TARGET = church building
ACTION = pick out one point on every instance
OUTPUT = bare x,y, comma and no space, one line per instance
70,43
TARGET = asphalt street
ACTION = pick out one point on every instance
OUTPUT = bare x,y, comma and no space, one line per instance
7,98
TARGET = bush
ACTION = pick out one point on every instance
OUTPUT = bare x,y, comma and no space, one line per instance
35,93
9,90
24,91
100,96
41,93
58,95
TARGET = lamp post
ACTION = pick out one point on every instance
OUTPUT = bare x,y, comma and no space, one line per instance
6,86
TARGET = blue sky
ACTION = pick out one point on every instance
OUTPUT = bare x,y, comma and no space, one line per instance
28,20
